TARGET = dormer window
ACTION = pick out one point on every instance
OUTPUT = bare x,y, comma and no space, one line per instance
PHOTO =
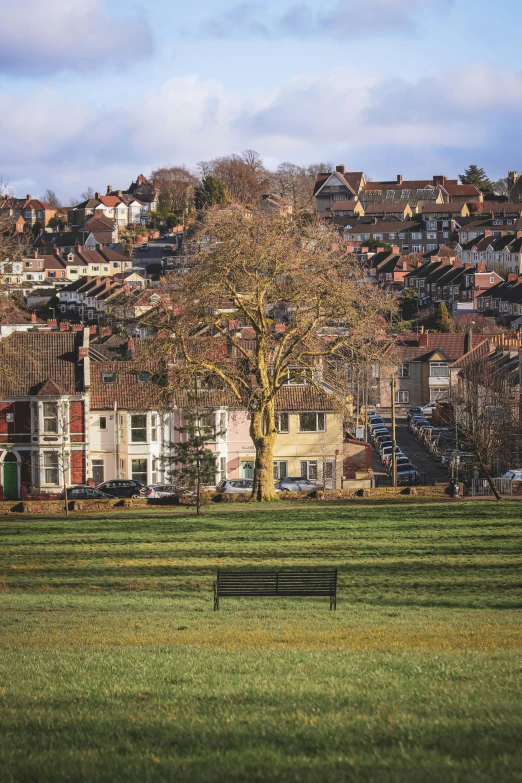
109,378
296,376
143,377
70,257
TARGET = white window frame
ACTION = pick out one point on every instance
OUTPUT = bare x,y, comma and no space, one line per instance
320,421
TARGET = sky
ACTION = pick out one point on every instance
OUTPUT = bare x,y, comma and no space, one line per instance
95,92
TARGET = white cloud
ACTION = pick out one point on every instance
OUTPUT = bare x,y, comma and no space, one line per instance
353,18
366,120
39,39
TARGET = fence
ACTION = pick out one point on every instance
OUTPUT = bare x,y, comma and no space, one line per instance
481,486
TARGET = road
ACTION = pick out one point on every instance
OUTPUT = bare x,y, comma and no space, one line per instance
416,453
154,254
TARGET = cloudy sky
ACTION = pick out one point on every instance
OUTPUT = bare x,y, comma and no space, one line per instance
93,92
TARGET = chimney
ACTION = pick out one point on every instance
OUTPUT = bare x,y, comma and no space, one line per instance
120,193
52,323
439,179
481,266
423,338
396,250
33,318
399,179
340,169
28,197
64,326
511,277
141,179
470,265
468,341
108,282
130,345
97,195
78,246
57,252
109,190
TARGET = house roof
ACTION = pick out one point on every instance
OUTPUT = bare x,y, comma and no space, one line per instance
406,347
371,209
31,359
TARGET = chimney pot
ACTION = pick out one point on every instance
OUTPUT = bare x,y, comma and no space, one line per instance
109,190
97,195
340,169
399,179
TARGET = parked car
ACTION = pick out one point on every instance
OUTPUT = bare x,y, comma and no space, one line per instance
429,408
515,474
121,488
407,476
83,492
235,486
152,491
144,248
168,249
298,484
403,464
413,411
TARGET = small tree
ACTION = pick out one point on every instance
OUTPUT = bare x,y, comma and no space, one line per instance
193,463
443,321
51,198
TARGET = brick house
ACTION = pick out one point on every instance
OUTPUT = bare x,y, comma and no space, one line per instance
43,406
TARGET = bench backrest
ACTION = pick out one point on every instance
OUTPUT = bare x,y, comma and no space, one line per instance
289,583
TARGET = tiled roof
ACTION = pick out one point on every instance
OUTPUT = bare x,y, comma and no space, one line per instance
128,393
406,347
28,359
345,204
303,398
456,189
385,208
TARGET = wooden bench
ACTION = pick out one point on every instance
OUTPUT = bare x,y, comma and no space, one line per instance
282,584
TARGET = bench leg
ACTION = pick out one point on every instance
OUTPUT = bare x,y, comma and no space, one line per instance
216,598
333,602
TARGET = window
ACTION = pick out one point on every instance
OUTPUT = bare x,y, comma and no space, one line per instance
50,417
109,378
280,469
90,315
309,469
377,236
282,422
296,377
438,394
222,468
416,235
404,371
416,248
154,428
439,370
139,470
102,422
402,396
312,422
445,234
96,269
50,467
431,235
492,279
139,428
143,377
391,235
431,247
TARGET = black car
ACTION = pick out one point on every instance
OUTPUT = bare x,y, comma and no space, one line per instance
121,488
83,493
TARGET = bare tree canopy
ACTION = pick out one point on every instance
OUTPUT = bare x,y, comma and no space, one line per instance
266,296
244,176
87,194
51,198
176,187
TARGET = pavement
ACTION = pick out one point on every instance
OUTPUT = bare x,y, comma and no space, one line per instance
419,457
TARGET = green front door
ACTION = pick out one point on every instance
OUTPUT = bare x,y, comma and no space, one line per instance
10,478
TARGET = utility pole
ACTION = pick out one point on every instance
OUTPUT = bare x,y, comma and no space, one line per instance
394,444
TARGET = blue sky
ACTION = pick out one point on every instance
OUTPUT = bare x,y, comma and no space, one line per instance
93,92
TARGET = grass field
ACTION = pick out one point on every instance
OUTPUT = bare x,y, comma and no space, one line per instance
113,666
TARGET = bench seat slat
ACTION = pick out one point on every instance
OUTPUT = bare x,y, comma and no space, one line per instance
283,584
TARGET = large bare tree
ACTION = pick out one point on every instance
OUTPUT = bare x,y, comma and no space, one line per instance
305,305
176,187
244,176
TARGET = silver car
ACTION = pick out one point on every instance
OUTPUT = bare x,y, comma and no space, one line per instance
159,491
235,486
298,484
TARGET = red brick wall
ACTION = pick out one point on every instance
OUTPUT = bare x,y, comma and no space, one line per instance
77,421
21,424
78,467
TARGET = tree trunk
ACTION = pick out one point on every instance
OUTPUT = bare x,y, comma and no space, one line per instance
488,477
263,432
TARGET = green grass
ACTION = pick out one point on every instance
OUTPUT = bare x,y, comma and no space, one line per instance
113,666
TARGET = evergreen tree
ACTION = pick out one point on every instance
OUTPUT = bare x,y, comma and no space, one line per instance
443,322
210,193
193,464
478,177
